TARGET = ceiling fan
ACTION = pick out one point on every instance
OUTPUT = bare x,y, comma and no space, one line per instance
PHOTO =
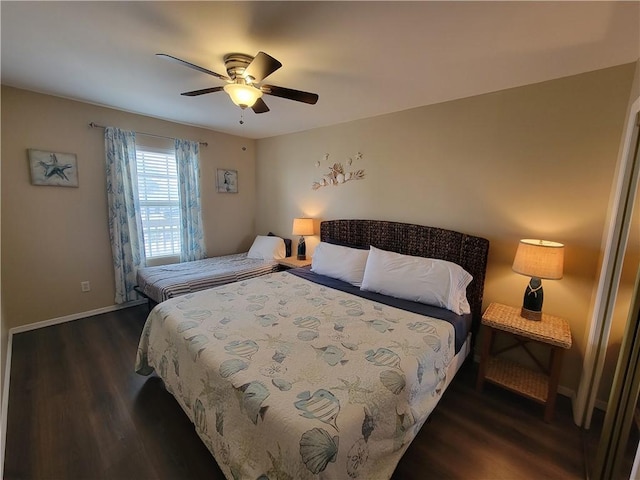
243,81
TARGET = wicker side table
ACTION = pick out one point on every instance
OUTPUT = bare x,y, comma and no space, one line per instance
292,262
540,386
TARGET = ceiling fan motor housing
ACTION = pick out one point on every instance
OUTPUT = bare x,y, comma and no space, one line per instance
236,64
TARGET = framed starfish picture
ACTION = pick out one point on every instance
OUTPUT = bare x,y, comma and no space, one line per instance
53,168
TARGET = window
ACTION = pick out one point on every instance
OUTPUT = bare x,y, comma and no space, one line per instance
159,201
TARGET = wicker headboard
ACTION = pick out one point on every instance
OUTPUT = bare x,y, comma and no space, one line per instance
466,250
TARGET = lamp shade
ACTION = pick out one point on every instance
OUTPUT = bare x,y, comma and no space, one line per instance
302,226
539,258
242,95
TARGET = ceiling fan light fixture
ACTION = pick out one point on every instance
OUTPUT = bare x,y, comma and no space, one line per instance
242,95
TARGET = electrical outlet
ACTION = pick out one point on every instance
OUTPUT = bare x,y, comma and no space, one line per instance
85,286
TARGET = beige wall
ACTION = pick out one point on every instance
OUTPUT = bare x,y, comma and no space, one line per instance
535,161
53,238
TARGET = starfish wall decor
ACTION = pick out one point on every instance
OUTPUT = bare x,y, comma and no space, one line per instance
53,168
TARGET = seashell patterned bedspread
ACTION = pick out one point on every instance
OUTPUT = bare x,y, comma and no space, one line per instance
287,379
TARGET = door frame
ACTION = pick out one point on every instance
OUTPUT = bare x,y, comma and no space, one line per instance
609,278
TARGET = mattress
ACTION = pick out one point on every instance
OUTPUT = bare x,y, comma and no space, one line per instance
167,281
284,377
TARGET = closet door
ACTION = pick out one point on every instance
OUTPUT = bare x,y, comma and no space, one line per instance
619,438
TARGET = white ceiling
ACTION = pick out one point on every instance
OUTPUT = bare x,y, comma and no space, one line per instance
362,58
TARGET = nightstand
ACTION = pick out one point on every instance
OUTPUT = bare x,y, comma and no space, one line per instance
538,385
292,262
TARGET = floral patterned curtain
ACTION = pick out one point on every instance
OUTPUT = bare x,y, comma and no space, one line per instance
189,190
125,225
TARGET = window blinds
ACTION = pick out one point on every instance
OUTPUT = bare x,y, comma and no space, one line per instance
159,202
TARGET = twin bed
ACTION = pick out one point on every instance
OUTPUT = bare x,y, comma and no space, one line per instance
162,282
301,375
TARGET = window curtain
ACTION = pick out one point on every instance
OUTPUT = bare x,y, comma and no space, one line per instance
189,190
125,225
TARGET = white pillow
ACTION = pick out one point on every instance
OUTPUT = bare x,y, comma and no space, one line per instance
425,280
267,248
343,263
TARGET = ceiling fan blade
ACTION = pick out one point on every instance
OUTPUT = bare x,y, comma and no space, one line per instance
260,106
261,67
297,95
191,65
195,93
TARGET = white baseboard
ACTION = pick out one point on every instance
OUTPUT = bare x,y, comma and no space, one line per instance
600,405
35,326
75,316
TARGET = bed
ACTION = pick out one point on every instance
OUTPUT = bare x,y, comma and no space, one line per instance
301,375
159,283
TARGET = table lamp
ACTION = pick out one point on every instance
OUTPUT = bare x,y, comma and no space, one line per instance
302,227
537,259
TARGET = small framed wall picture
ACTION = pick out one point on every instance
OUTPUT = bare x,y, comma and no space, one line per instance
226,181
53,168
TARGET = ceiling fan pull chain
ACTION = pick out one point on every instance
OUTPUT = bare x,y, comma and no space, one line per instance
241,117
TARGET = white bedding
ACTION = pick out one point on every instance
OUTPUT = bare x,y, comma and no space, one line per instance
285,378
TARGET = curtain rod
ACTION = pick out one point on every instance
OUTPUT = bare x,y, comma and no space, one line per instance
95,125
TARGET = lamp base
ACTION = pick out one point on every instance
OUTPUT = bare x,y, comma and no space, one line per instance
530,314
302,249
532,303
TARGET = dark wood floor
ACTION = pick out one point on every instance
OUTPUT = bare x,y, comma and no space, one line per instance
77,410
